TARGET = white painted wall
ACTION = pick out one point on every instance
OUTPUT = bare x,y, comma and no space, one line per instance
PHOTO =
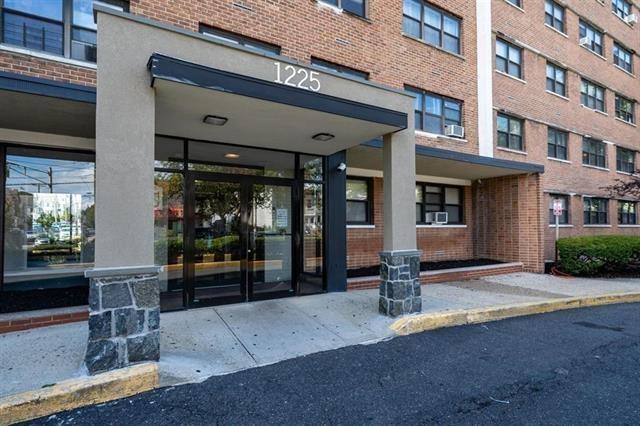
485,77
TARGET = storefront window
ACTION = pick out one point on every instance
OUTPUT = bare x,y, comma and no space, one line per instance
168,214
49,234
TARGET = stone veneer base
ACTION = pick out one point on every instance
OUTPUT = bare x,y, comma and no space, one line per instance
124,321
400,292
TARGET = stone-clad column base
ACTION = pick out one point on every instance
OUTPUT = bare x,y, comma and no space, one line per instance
124,318
400,283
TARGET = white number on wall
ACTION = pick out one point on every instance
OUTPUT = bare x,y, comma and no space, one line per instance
297,77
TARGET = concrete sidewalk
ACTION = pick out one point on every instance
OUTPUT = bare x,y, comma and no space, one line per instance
200,343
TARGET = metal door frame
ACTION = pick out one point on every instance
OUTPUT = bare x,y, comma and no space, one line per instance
246,184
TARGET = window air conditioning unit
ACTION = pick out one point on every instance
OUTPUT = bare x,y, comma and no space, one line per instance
585,41
454,130
631,19
438,218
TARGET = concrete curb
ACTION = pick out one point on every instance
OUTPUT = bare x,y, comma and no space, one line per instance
79,392
423,322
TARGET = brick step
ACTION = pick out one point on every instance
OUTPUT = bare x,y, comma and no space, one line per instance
443,275
38,320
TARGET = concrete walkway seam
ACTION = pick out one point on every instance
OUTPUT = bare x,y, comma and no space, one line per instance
78,392
431,321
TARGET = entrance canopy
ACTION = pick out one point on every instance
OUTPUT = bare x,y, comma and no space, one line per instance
46,106
443,163
258,112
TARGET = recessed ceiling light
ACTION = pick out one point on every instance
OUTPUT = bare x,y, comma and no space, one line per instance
231,155
214,120
323,137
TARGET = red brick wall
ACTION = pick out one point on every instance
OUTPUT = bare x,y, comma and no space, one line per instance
508,225
364,245
304,29
42,68
539,109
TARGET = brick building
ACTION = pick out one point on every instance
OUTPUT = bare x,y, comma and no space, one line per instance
235,150
574,93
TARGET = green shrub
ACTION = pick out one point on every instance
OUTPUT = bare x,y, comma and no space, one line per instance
598,255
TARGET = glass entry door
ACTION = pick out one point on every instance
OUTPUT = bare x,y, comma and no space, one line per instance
270,231
239,239
215,243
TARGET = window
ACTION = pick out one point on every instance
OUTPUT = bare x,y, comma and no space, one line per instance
622,8
509,132
594,153
238,39
516,2
625,109
340,69
557,144
508,58
434,112
625,160
596,211
593,36
564,218
554,15
627,213
431,198
592,95
49,230
42,25
556,79
357,7
34,26
622,57
358,201
432,25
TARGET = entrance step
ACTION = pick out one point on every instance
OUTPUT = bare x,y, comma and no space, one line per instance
443,275
19,321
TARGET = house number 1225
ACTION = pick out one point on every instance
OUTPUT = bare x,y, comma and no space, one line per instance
297,77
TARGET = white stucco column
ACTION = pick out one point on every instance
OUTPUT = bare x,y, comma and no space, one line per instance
125,127
399,171
400,260
485,77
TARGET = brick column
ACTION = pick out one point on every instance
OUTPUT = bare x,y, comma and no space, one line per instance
124,318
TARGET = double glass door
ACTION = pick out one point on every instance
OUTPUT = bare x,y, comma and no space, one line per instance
239,239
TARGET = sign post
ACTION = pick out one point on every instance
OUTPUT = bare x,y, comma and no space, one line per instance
557,212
